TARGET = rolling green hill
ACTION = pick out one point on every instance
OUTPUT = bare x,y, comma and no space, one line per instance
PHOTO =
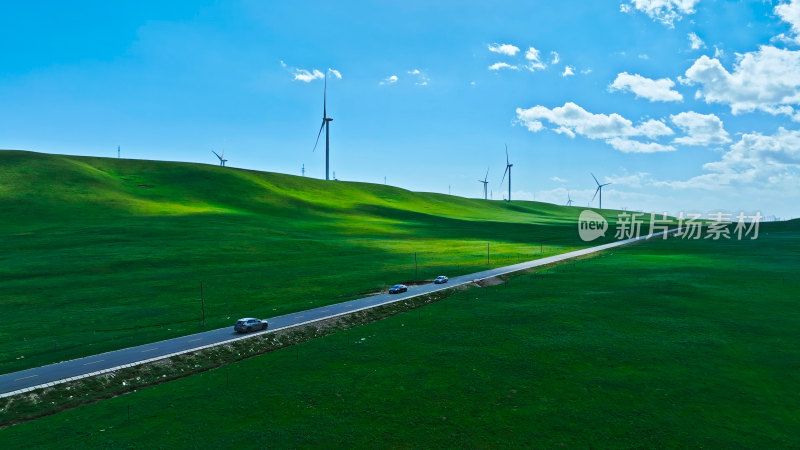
99,254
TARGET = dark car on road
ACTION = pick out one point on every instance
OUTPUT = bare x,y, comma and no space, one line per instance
398,288
440,279
249,324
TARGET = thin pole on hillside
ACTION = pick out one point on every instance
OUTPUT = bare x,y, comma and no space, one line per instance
415,266
202,304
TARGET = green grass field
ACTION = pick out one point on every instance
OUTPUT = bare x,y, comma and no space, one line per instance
661,344
99,254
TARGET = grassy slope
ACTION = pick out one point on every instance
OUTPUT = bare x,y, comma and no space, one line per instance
664,344
113,251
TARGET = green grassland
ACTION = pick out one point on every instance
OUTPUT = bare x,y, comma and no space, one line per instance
98,254
676,343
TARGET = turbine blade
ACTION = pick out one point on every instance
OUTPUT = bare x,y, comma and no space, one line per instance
487,175
506,155
504,175
215,153
325,98
595,194
595,178
318,135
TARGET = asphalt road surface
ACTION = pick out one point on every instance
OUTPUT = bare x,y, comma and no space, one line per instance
24,380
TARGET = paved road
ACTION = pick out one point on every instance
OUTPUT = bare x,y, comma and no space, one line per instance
79,368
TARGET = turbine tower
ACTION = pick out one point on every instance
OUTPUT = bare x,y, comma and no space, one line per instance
485,182
599,190
222,159
569,200
508,171
326,125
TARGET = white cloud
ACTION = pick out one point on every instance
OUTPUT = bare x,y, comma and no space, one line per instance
635,180
568,71
422,78
558,179
502,65
664,11
757,150
653,90
718,52
790,13
555,58
695,42
700,129
756,161
572,117
307,76
643,56
766,80
390,80
504,49
532,55
632,146
616,130
335,73
586,71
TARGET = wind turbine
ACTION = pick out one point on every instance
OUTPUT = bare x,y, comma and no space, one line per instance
222,159
569,200
326,125
485,182
599,190
508,171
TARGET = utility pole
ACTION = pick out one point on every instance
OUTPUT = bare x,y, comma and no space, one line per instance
303,171
202,304
118,153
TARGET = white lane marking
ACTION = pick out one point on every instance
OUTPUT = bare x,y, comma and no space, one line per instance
194,340
150,349
25,378
94,362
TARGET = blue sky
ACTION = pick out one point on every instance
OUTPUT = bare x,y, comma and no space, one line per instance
684,105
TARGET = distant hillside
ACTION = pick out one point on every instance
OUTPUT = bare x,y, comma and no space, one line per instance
54,184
